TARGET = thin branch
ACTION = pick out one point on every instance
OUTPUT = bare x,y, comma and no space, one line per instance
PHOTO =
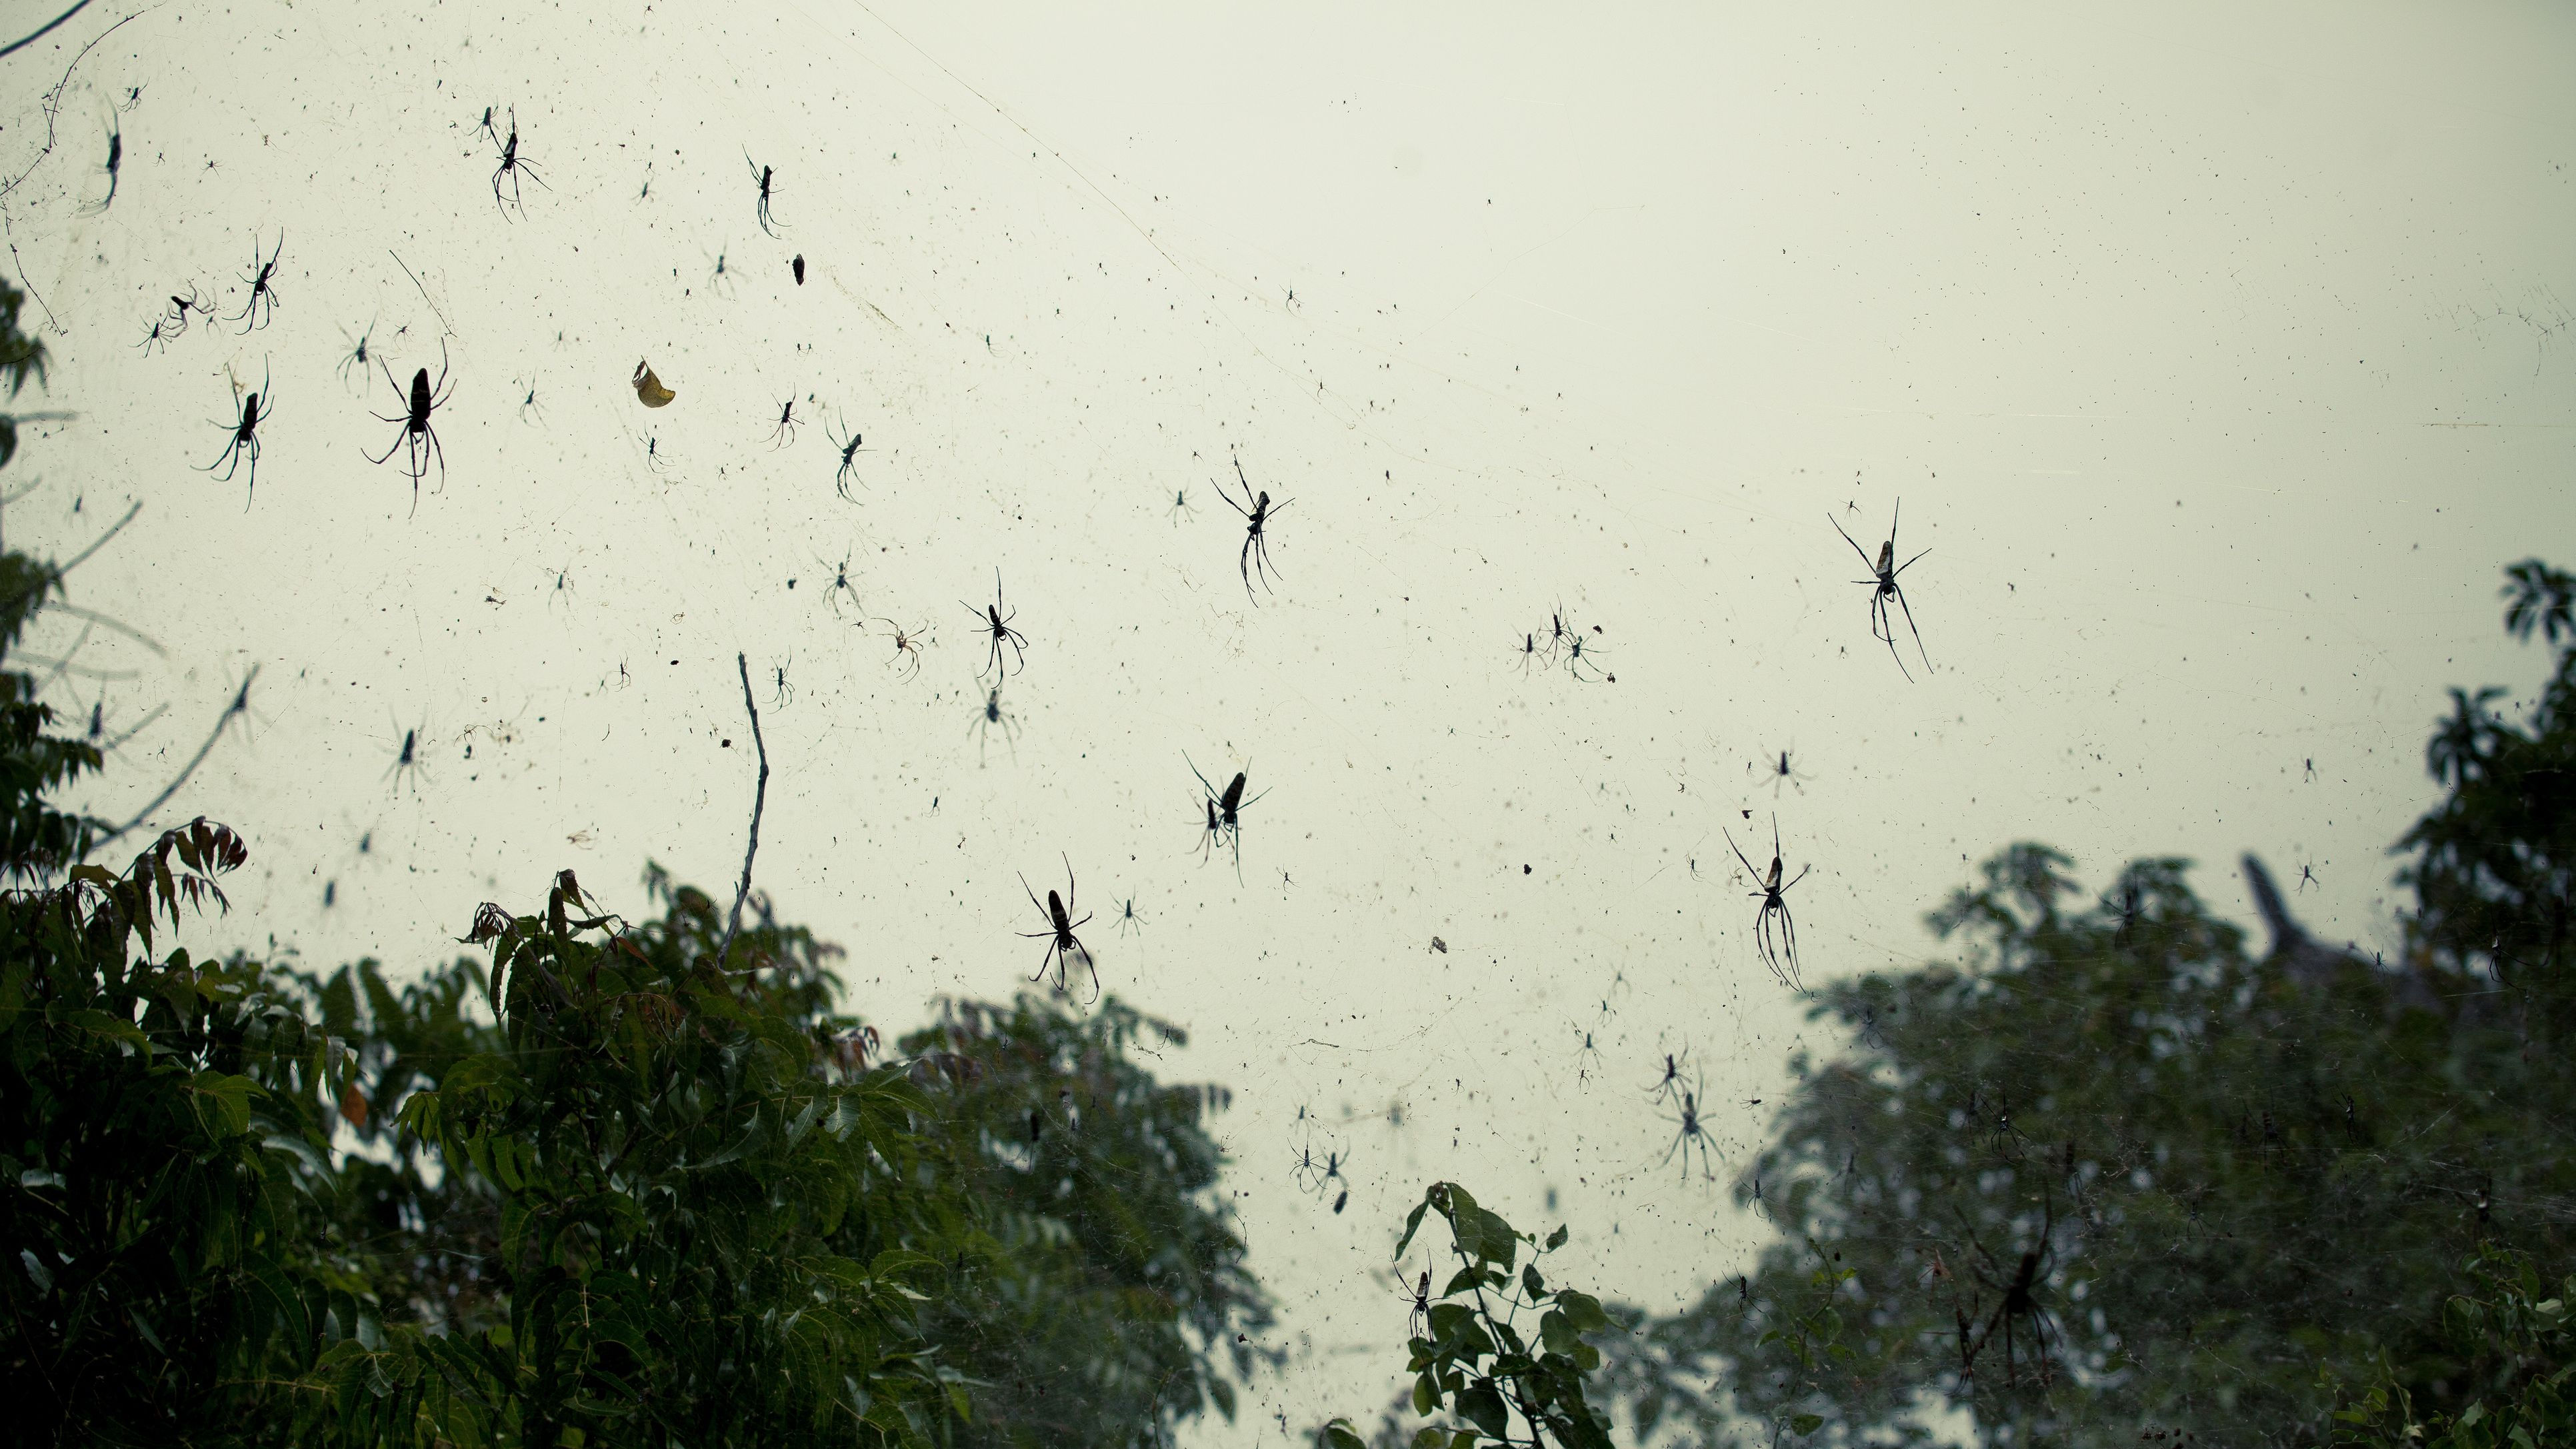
759,798
41,32
240,705
113,529
102,620
53,102
424,291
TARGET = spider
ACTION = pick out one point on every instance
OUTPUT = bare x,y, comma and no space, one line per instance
1782,774
1225,813
1574,660
1181,504
1883,587
529,404
1531,654
408,765
2308,877
719,281
1689,1134
2020,1301
1256,545
1061,928
989,714
907,647
260,290
1332,1173
849,451
1587,1058
245,440
418,440
999,630
840,585
563,585
1775,950
1127,917
115,157
174,323
1419,1296
782,694
512,164
1670,1083
766,177
357,356
785,432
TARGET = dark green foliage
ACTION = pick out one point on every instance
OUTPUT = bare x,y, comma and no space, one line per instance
2109,1175
1104,1269
2514,1348
1473,1371
20,355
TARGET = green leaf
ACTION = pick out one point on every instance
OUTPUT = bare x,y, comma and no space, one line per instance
1338,1435
1582,1311
1556,1240
1479,1405
1806,1423
1426,1395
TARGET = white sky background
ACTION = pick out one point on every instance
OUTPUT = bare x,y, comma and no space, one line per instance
2220,359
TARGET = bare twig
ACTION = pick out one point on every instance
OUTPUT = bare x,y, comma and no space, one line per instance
53,106
424,291
95,617
759,798
113,529
40,32
240,705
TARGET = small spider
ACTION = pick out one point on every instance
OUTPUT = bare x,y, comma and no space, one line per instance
767,178
417,437
989,714
2308,877
245,439
782,694
408,766
1420,1299
1062,943
174,323
1224,812
907,647
840,585
1781,948
356,356
1883,587
849,452
1181,504
1587,1057
513,165
529,404
1689,1134
1782,774
260,288
1256,513
1531,654
1127,916
115,158
1670,1083
785,432
999,630
720,281
1574,660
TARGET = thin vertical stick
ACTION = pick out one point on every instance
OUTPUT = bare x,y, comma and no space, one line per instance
759,799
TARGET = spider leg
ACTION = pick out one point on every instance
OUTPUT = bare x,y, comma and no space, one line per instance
1856,548
1889,635
1739,855
1909,624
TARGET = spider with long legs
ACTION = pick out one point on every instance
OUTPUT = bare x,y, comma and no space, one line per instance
989,714
529,404
417,438
782,694
408,766
245,439
260,288
849,454
998,630
1256,513
767,178
2020,1301
1669,1083
115,158
174,323
1332,1174
907,647
840,585
1419,1297
513,165
1127,916
1574,660
1782,773
1689,1134
1225,812
356,356
785,432
1883,587
1061,942
1775,948
720,281
1587,1057
1181,504
1531,654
